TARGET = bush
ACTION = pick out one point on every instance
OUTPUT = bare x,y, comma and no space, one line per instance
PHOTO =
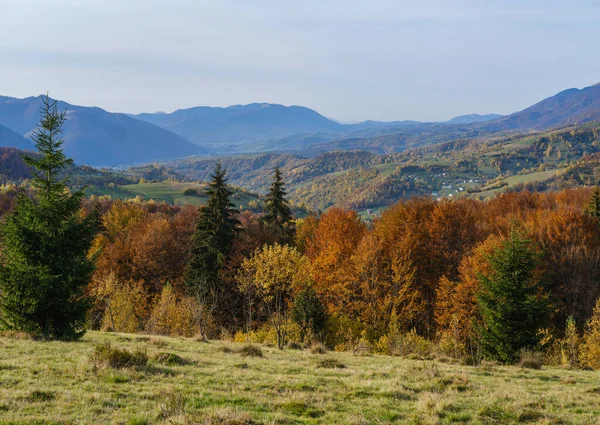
318,348
570,346
190,191
293,345
590,349
407,344
170,359
105,355
331,364
173,315
251,351
530,359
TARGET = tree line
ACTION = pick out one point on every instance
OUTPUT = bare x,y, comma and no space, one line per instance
466,278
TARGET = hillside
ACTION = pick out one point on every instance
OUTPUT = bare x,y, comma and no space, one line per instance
9,138
94,136
569,107
477,167
241,124
191,382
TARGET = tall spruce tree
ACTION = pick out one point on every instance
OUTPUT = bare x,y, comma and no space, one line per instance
511,306
278,215
44,265
216,229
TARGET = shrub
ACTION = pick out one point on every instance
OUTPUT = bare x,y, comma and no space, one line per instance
173,315
190,191
105,355
530,359
251,351
590,349
449,345
331,364
571,344
293,345
318,348
170,359
410,343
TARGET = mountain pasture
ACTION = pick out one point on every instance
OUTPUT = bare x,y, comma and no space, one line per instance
191,382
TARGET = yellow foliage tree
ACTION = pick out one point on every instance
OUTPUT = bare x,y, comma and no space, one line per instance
173,315
590,349
269,276
123,305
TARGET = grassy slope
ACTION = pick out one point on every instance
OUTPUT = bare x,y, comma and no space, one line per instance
172,193
56,382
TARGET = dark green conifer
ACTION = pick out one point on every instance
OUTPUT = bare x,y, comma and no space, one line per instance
216,229
309,313
44,265
278,215
512,308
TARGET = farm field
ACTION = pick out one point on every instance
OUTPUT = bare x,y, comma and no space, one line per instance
190,382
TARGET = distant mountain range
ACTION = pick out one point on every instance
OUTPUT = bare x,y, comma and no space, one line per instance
94,136
241,124
473,118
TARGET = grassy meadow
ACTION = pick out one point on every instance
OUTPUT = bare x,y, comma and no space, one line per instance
171,193
191,382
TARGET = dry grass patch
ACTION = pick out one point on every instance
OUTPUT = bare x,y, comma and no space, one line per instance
251,351
331,364
105,355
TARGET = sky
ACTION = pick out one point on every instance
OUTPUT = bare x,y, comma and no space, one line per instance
350,60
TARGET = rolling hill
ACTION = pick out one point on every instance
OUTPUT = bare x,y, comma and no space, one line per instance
473,118
478,167
94,136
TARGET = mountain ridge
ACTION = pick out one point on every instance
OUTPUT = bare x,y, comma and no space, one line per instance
97,137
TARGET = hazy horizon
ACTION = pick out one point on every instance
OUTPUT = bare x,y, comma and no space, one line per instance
350,60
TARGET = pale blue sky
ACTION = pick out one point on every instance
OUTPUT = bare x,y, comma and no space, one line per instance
348,59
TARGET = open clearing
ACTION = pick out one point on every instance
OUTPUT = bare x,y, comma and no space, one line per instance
212,383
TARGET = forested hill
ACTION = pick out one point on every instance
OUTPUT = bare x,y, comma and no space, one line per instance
467,167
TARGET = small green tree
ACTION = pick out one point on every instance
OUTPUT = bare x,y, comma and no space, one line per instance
511,306
278,215
44,265
593,207
216,229
309,313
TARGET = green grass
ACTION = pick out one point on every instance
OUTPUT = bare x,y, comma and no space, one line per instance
59,383
170,192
